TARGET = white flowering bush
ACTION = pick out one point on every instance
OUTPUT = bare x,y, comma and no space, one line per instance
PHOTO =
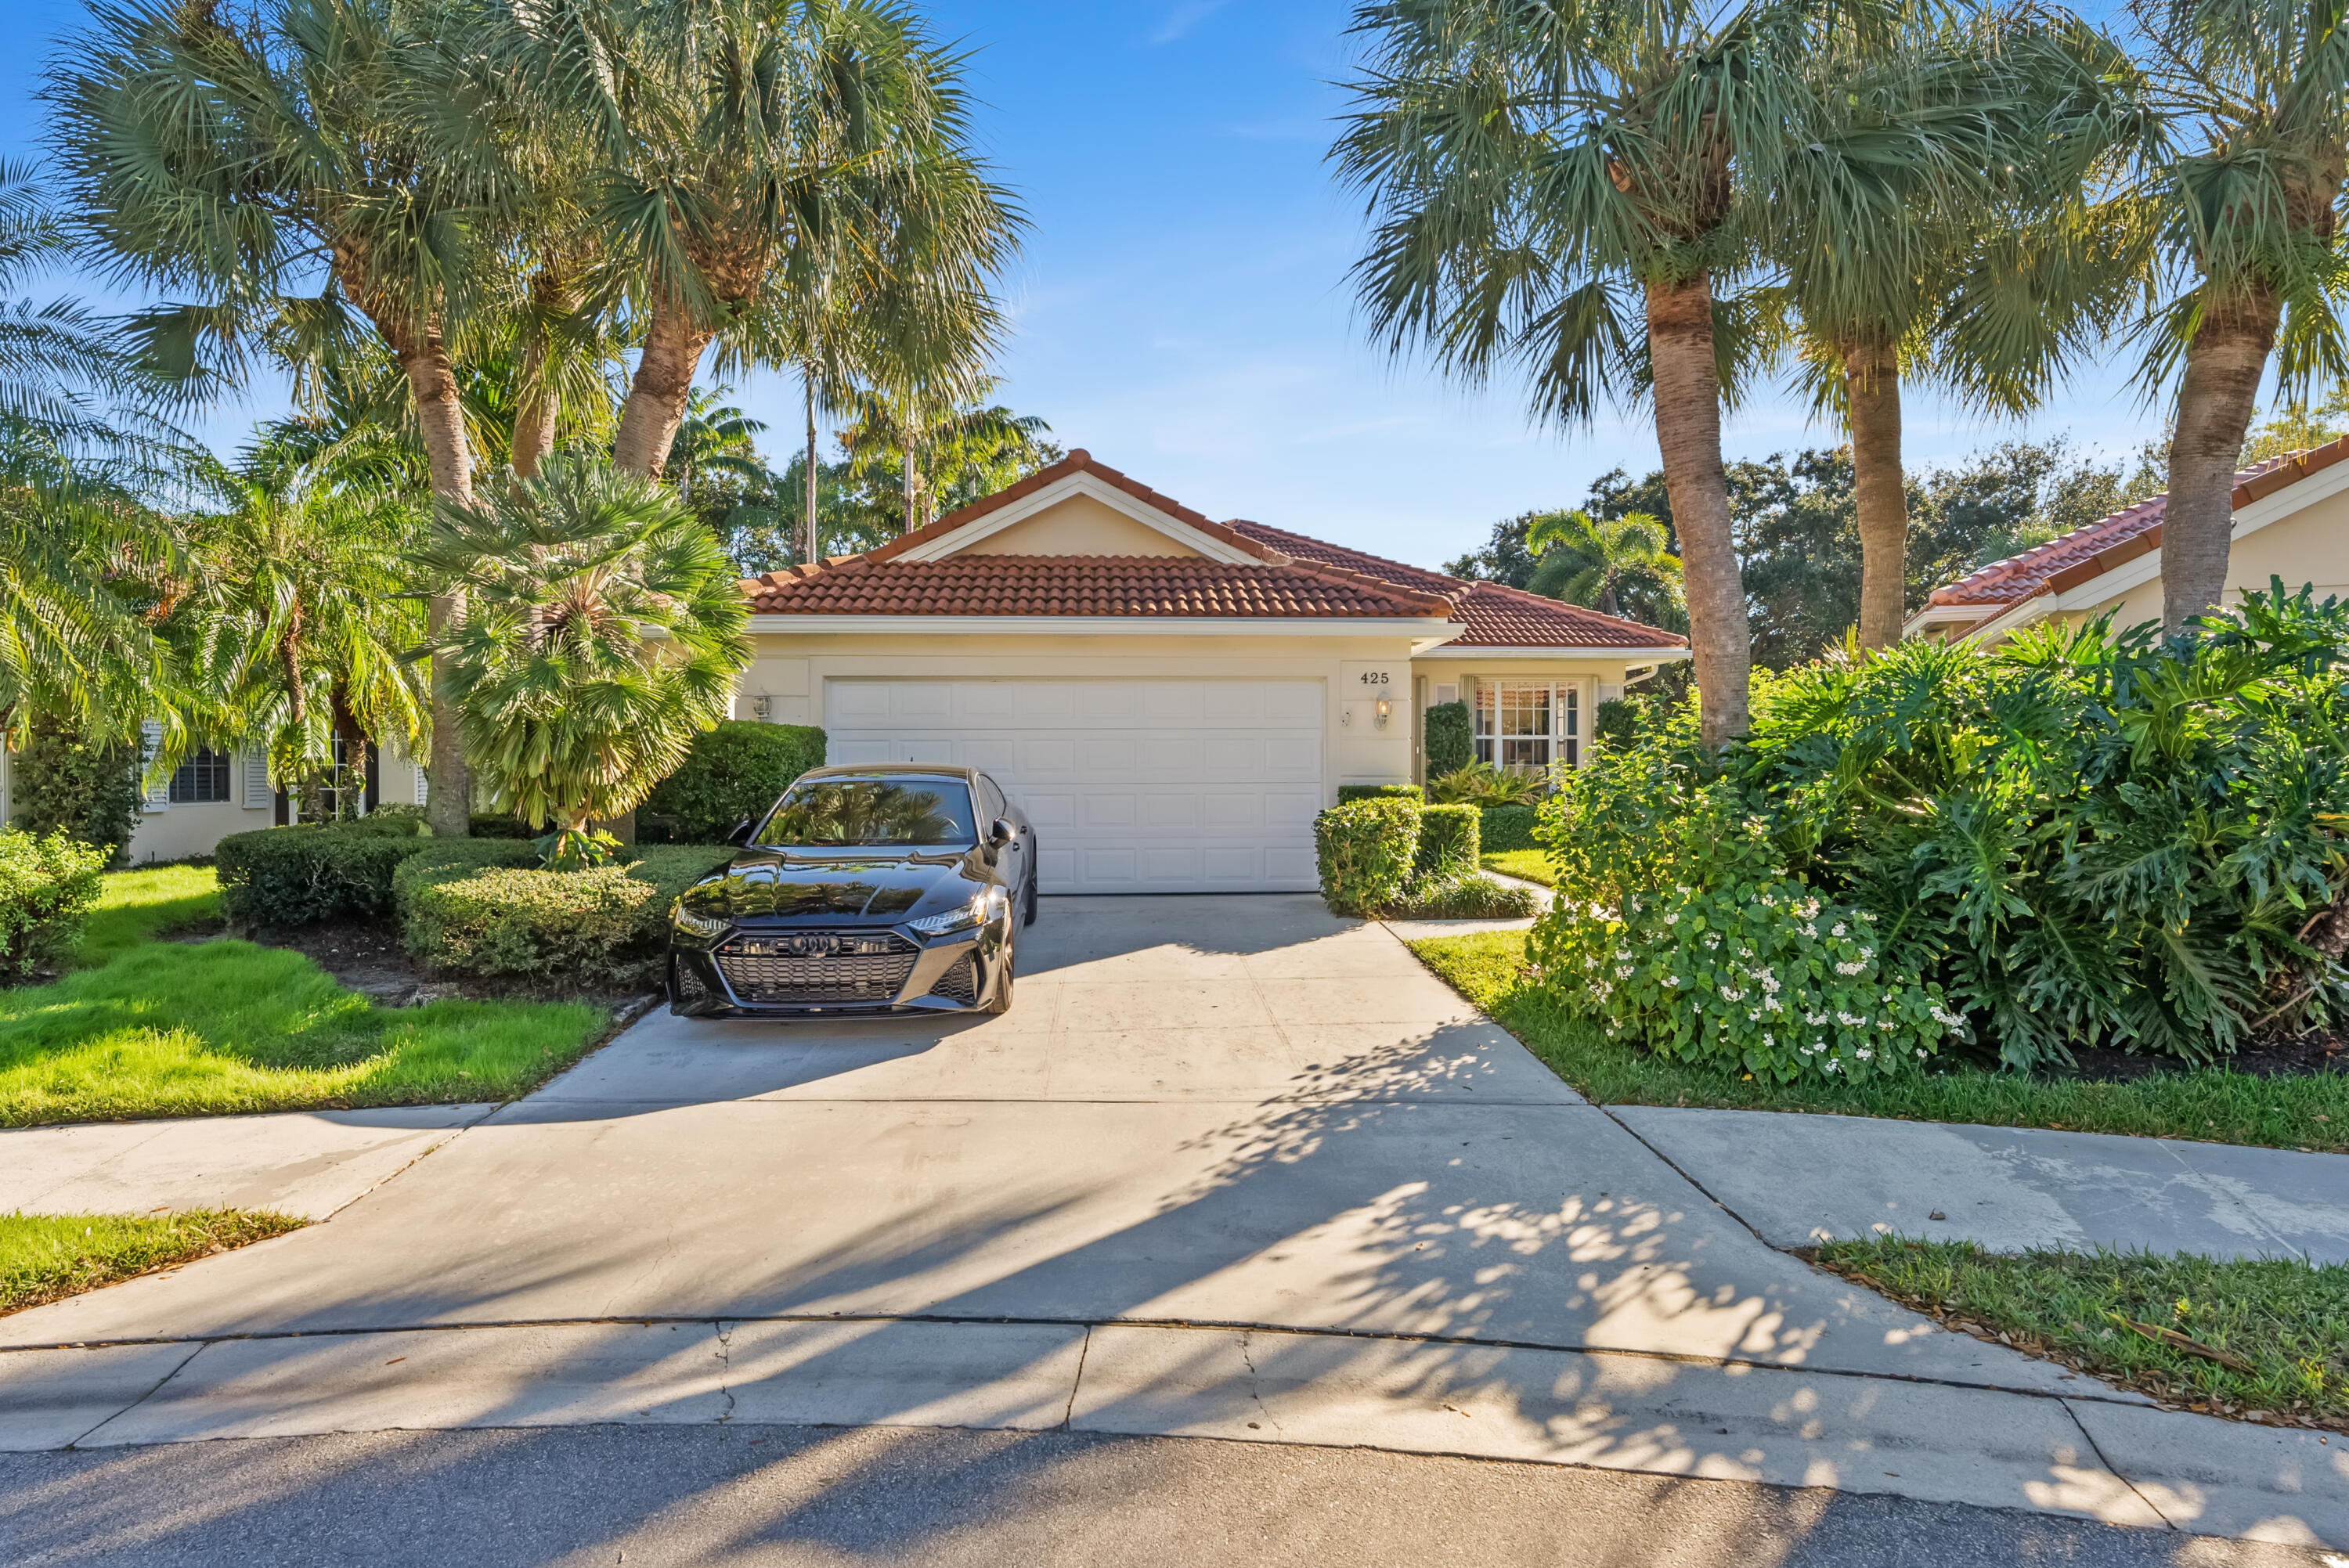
1761,975
1677,926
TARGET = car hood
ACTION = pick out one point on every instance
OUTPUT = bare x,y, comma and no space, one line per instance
867,889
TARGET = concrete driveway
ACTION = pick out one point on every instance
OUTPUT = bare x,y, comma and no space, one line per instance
1230,1168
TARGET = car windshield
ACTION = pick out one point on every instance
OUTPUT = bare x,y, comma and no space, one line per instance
903,812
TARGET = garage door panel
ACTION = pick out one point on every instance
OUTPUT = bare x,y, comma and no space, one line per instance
1163,809
1134,786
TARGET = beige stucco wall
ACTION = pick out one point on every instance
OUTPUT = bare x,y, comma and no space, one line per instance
791,671
2309,546
1078,525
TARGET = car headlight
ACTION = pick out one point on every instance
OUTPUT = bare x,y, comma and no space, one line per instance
701,925
985,907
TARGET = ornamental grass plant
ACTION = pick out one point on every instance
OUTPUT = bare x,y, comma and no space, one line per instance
2078,839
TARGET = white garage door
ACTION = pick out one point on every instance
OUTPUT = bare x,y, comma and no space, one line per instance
1134,786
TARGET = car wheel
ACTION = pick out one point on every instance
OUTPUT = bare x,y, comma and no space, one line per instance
1002,1002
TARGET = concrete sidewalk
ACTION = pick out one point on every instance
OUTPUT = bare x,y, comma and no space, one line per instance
1797,1180
309,1164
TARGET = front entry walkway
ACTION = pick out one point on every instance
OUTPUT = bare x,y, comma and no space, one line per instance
1230,1168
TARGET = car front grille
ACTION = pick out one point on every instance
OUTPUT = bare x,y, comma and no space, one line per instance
961,982
867,967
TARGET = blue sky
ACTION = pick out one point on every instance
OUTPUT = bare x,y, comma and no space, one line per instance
1182,309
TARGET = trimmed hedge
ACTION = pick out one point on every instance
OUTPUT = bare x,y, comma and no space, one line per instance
278,877
1449,837
1471,897
1366,849
500,825
734,771
1349,793
474,914
48,885
1451,740
1617,722
1507,828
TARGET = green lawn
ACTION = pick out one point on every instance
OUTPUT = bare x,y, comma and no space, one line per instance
1529,865
2282,1325
46,1257
138,904
2210,1103
228,1027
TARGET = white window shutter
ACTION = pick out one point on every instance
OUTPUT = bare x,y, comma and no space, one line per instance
258,794
158,789
423,785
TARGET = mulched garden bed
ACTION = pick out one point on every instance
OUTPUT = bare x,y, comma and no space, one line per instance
2276,1055
365,956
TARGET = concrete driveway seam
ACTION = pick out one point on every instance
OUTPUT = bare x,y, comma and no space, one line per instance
2105,1460
721,1326
155,1388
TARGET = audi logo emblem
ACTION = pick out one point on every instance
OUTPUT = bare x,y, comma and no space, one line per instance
814,945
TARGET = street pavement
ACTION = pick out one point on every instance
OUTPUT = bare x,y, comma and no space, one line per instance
770,1497
1230,1169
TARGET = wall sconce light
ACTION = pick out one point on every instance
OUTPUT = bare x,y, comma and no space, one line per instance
762,708
1386,707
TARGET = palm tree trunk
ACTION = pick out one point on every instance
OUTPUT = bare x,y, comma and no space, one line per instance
1871,380
432,382
2216,398
814,542
657,395
905,475
534,413
1688,434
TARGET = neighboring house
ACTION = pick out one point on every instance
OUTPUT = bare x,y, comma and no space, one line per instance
1171,699
215,793
2292,522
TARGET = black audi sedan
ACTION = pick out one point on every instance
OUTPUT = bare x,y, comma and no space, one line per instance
864,889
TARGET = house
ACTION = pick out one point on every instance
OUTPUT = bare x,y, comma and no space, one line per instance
215,793
1171,699
2292,522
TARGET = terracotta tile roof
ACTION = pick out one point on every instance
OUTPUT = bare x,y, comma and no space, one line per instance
1499,616
1174,585
2085,553
1292,576
1496,616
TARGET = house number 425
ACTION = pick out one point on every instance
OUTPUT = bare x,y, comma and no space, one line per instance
1374,678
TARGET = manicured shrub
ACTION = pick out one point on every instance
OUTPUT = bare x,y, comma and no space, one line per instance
500,825
1450,840
604,925
48,885
64,781
280,877
1367,850
1471,897
1349,793
1505,828
734,771
1451,742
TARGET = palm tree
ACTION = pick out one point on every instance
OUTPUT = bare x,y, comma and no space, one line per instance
1590,561
604,627
1562,184
1965,156
712,440
959,452
57,363
240,159
294,629
80,551
2250,220
725,136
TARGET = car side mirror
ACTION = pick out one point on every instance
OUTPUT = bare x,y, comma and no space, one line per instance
741,834
998,835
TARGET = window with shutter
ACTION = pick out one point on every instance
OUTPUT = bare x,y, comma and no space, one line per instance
258,794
